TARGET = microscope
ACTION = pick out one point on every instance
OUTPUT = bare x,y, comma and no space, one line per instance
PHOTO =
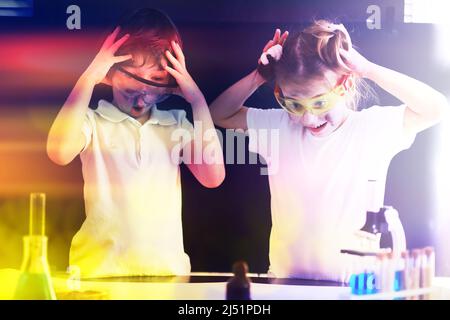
380,221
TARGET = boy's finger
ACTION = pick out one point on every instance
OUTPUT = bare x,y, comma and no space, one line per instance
118,43
111,37
118,59
174,61
107,81
174,73
179,53
115,33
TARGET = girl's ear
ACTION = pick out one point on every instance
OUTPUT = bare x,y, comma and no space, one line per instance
349,82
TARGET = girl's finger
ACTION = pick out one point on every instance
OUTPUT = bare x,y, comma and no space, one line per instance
275,52
118,43
347,36
264,60
283,37
344,53
344,59
177,65
268,45
276,37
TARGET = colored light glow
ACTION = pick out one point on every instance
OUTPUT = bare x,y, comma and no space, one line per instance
426,11
16,8
441,176
441,153
172,290
25,165
44,62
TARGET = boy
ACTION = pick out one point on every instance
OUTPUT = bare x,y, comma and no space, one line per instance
128,151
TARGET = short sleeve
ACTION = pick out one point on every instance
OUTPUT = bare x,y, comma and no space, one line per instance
185,125
260,125
386,129
87,128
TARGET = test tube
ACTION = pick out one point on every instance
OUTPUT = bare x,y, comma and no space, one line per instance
415,272
399,272
427,270
390,272
356,280
405,265
380,277
387,271
429,267
370,275
37,214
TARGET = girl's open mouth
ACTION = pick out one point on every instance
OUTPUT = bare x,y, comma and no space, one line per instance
318,129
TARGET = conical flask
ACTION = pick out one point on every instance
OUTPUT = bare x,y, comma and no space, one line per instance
35,282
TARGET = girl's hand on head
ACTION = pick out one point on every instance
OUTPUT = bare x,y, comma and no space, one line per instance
272,52
273,47
187,88
356,62
105,58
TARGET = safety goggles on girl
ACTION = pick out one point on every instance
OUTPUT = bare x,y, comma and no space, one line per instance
317,105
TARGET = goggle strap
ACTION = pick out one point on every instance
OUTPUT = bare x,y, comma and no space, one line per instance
147,82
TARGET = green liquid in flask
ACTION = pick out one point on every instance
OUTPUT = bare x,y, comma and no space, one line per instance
35,282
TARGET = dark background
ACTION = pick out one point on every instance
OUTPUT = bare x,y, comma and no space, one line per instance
40,61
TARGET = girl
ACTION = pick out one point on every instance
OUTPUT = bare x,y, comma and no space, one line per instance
328,150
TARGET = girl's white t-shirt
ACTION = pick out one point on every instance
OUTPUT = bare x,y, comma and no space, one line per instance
318,185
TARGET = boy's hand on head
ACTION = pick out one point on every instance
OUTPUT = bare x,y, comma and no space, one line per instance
272,52
105,59
187,88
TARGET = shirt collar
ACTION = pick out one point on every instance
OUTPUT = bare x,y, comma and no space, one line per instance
110,112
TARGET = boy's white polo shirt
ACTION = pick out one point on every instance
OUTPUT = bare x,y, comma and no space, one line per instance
132,194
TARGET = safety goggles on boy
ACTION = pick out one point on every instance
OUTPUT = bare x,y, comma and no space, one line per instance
134,86
170,84
317,105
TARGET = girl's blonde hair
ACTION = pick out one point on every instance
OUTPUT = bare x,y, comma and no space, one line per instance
309,53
